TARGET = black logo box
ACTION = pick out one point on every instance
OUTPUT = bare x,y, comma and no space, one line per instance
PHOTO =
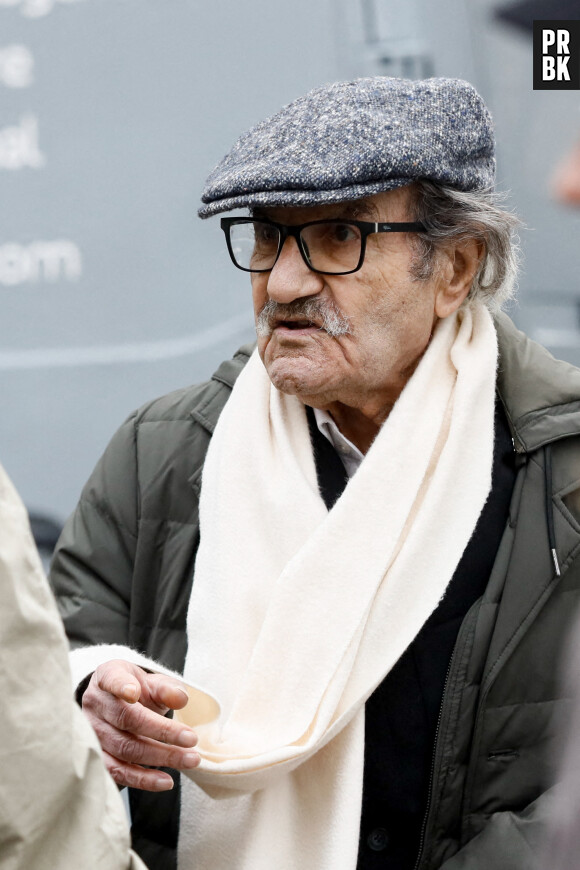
553,49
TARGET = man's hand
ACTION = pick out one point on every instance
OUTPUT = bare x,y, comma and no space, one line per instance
126,707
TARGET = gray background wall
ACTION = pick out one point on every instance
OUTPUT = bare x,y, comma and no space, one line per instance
112,113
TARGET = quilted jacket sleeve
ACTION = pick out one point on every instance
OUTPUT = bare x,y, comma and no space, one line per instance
92,568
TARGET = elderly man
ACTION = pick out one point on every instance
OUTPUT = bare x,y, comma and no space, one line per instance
367,585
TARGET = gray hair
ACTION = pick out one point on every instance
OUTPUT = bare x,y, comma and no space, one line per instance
454,215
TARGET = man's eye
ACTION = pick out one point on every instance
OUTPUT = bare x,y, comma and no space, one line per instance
266,235
343,233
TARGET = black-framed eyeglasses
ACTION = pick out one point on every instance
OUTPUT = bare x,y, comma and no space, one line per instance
330,247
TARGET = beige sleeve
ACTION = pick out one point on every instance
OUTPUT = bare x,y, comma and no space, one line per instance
58,806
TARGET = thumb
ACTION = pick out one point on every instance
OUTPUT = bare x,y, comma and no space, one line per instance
120,679
167,692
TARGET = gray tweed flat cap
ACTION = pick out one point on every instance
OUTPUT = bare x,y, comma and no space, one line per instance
353,139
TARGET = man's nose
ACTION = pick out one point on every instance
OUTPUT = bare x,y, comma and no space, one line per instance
290,277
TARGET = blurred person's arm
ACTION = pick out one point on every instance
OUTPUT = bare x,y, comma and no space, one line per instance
58,806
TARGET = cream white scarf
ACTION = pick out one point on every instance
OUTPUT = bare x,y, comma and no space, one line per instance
298,613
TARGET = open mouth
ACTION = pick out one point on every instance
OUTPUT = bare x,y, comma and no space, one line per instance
296,324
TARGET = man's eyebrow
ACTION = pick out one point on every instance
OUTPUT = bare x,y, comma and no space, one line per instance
358,209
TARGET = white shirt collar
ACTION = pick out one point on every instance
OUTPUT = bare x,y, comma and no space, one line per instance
350,454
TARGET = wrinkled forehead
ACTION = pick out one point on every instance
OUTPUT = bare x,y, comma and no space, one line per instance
393,205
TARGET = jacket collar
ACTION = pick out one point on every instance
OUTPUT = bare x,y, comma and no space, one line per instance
540,394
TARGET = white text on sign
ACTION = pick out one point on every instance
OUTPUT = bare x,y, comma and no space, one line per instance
40,261
16,66
35,8
19,148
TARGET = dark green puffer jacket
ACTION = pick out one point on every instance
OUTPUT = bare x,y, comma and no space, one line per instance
123,571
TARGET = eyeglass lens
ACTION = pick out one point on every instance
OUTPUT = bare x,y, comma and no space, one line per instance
331,247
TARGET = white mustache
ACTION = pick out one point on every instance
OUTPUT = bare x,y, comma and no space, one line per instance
324,312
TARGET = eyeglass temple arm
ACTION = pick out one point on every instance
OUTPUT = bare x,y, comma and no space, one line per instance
410,226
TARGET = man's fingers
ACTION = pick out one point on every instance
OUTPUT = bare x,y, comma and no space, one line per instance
171,744
104,709
128,692
165,692
133,776
121,679
131,683
125,706
128,748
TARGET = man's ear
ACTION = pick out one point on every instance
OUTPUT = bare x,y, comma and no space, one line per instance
457,276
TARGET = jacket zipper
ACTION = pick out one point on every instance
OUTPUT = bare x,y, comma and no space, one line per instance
463,628
549,507
432,772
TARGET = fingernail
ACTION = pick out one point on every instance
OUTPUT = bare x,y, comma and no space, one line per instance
191,759
129,692
187,739
164,783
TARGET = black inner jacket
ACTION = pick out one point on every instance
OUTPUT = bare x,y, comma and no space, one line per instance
401,715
